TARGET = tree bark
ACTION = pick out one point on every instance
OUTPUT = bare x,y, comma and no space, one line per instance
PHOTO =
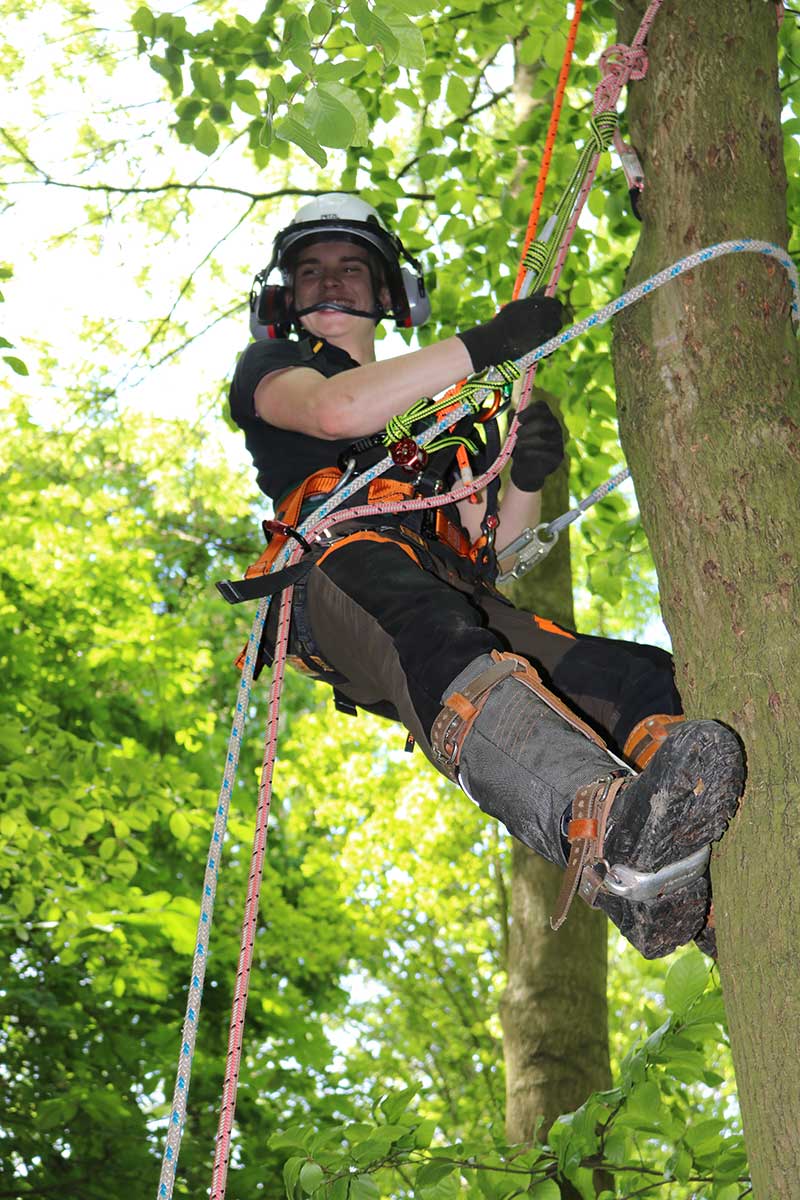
554,1011
709,410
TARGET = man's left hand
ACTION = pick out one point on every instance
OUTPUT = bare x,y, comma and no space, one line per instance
539,448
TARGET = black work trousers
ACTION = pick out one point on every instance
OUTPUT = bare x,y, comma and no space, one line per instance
397,624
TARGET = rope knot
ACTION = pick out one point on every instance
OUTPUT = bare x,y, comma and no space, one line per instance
536,256
601,130
628,62
397,428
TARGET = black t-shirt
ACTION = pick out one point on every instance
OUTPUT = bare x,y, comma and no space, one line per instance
283,458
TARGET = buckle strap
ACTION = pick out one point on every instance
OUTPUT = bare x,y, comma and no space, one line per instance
647,735
459,711
586,833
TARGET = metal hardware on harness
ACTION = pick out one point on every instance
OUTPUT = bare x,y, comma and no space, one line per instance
348,469
630,884
531,547
284,530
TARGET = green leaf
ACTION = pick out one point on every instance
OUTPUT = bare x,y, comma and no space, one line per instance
168,71
143,22
297,41
346,68
179,826
363,1188
553,49
248,102
24,901
328,118
205,79
5,344
354,105
396,1103
457,96
319,18
423,1134
548,1189
686,981
431,1172
410,42
290,129
16,364
291,1174
206,138
311,1176
371,30
447,1187
59,818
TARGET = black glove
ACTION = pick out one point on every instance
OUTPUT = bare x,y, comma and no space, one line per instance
539,447
517,328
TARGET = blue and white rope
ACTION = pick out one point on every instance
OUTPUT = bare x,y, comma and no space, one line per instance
177,1115
319,520
560,523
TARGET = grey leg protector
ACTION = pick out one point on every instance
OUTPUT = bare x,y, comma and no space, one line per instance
520,759
639,845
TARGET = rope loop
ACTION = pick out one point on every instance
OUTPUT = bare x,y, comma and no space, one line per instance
629,62
601,129
396,428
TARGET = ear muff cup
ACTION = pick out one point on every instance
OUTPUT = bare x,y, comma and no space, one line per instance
270,315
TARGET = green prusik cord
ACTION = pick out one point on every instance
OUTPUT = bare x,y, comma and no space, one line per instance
473,391
540,256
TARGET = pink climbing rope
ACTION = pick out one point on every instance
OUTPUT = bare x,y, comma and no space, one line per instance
222,1150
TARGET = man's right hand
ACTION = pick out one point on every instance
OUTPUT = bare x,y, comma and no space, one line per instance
517,328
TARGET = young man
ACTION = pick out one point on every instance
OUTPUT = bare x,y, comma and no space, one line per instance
400,615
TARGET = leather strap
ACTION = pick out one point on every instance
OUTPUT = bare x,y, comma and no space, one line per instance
586,833
461,708
646,737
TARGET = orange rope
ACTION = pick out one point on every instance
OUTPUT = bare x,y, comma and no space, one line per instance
555,115
544,168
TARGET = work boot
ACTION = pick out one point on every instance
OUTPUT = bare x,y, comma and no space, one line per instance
646,737
638,844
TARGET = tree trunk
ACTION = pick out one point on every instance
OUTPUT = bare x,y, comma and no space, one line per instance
554,1011
709,412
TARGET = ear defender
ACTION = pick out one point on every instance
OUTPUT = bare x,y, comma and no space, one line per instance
270,315
419,302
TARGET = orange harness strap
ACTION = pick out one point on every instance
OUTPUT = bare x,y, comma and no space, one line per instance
380,491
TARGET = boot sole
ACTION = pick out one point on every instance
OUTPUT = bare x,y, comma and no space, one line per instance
683,800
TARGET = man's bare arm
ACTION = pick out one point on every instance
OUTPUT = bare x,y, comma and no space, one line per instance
358,402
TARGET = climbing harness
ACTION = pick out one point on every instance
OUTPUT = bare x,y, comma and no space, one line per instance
314,530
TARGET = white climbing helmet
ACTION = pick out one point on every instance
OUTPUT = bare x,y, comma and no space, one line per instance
340,217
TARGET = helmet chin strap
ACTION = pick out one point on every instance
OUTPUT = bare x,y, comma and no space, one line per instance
376,314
